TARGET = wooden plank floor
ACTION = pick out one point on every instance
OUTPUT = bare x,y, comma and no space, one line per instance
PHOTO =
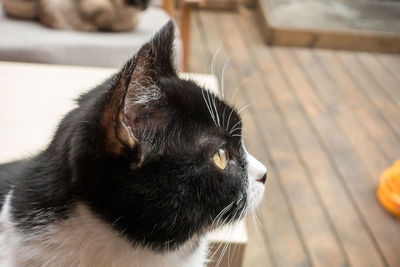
326,124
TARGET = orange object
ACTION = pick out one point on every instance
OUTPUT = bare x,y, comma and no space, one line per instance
389,189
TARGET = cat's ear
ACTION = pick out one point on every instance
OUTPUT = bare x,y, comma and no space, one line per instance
132,86
163,44
135,89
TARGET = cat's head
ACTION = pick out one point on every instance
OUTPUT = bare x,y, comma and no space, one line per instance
161,158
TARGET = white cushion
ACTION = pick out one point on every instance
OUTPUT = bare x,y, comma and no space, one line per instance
29,41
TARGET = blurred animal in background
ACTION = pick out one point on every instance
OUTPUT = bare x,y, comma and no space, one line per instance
79,15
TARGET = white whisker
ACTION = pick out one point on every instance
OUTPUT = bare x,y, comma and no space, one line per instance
234,247
258,219
244,107
255,226
224,249
223,118
222,212
216,111
208,106
209,98
228,244
234,127
229,118
241,136
214,60
223,77
236,90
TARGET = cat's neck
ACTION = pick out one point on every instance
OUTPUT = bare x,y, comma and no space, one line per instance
85,240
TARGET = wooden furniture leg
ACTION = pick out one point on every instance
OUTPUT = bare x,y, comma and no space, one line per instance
185,27
169,7
185,19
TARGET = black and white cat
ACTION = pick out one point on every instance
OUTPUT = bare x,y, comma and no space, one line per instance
136,175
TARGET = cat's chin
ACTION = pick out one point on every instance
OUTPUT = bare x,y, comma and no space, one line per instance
255,195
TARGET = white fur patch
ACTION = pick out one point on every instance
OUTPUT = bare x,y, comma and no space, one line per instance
85,240
5,232
142,94
255,191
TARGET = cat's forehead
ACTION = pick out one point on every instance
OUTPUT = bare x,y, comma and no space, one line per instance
200,117
199,104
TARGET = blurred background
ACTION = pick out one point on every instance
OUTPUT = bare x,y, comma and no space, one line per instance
319,83
323,80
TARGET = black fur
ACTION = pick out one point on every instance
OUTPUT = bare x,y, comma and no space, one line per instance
142,4
159,188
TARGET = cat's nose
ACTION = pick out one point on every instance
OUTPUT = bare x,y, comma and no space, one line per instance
263,179
256,170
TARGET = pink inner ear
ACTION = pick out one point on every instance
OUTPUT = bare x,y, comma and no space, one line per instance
146,118
130,117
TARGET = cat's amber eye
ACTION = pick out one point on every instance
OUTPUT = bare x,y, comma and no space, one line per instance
221,158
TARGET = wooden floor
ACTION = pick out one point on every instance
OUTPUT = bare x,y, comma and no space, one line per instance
326,124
